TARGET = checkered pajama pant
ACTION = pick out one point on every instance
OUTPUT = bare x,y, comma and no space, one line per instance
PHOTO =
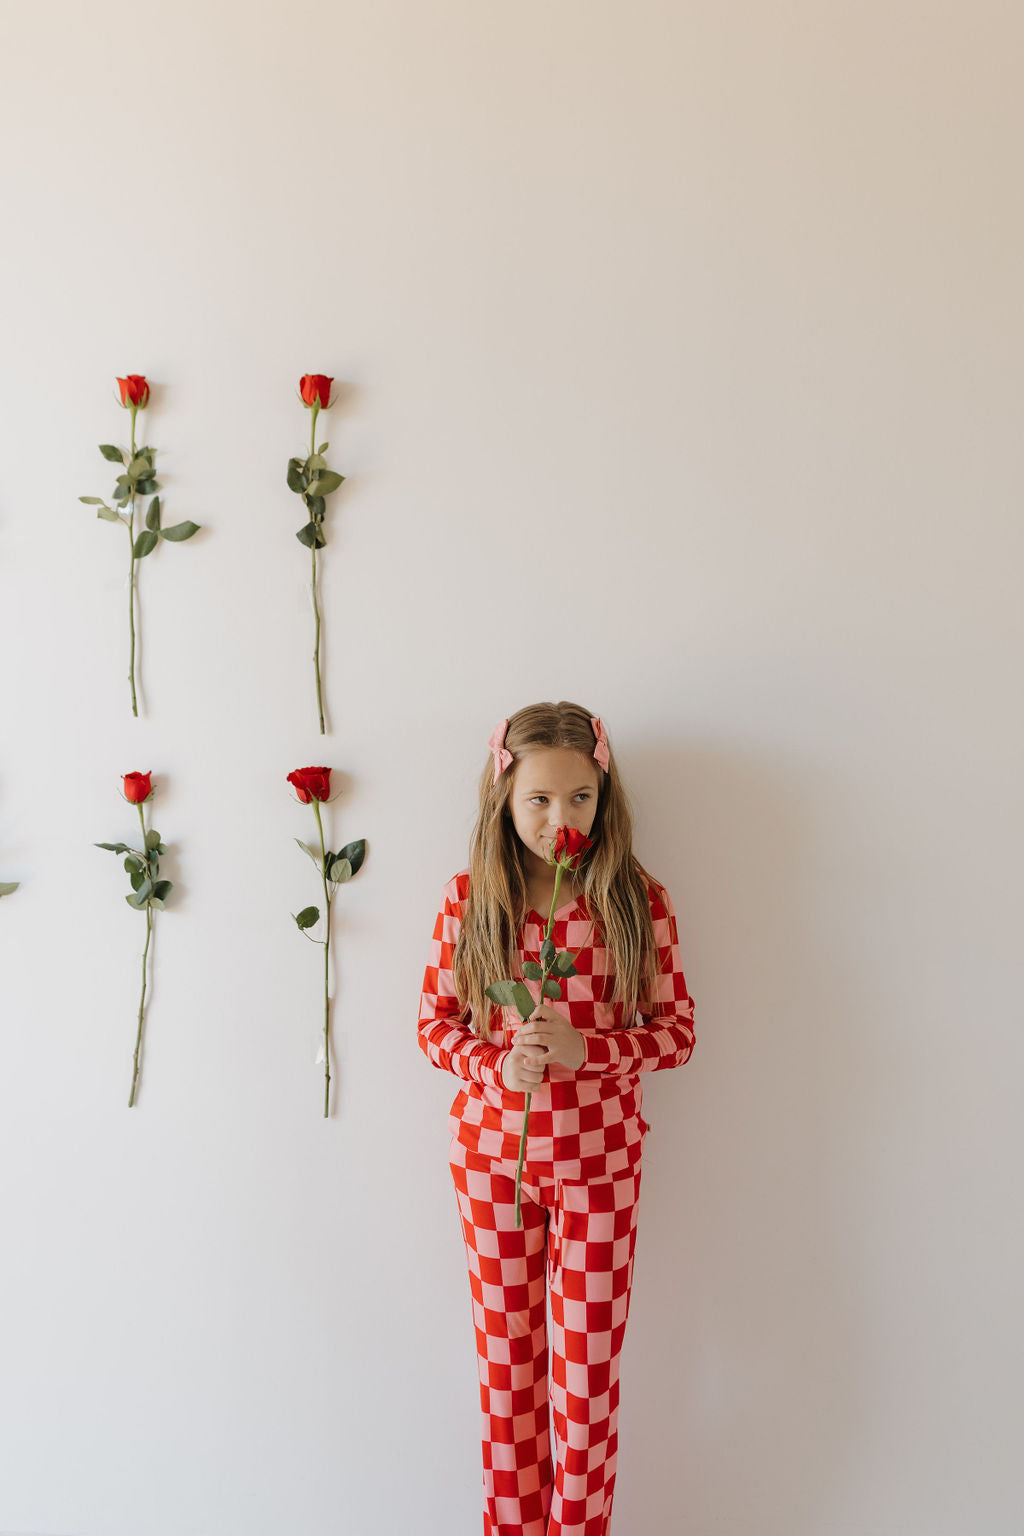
583,1235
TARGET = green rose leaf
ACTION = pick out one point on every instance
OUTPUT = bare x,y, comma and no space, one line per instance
114,847
323,447
297,477
145,542
547,952
152,841
178,532
307,917
308,851
512,994
133,864
137,878
326,482
146,487
135,903
8,887
153,515
523,999
114,455
142,891
316,506
339,870
563,965
532,970
109,515
140,467
316,461
162,889
355,853
552,988
311,537
93,501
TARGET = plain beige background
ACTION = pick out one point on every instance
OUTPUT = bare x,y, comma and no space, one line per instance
682,366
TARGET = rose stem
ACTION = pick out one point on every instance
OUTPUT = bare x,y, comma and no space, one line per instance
545,973
131,577
327,961
145,954
316,605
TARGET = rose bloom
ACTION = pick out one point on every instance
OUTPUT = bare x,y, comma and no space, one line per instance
315,389
138,786
569,846
134,391
311,783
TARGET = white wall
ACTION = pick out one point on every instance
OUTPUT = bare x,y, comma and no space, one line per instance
682,359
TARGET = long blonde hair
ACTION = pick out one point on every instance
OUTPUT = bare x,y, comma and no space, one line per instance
614,882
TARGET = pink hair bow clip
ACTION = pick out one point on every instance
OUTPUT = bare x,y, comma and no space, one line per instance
601,756
502,756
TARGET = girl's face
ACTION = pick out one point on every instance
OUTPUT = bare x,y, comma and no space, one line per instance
553,787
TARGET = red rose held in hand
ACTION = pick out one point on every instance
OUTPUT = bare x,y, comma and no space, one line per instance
134,391
569,847
315,389
311,784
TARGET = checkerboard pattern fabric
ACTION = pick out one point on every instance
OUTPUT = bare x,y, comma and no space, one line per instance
583,1124
580,1188
583,1236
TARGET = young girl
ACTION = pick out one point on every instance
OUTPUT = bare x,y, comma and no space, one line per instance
626,1011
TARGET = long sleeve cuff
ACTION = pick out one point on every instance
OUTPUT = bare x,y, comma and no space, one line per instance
456,1049
652,1047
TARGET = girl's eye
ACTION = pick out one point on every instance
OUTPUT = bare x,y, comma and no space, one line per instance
584,794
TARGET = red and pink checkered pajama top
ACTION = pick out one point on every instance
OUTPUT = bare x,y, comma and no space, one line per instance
583,1124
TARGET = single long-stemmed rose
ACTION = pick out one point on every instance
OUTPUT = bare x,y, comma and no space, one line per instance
314,482
312,787
137,479
554,967
149,893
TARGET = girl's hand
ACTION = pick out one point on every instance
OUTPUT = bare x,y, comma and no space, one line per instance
523,1068
552,1031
